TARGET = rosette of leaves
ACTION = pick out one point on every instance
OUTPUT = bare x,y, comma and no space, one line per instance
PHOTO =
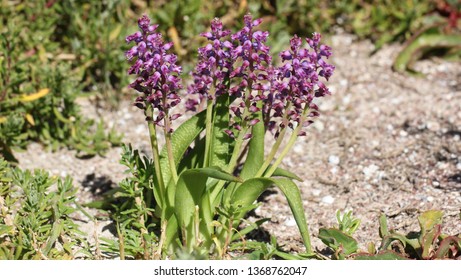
198,189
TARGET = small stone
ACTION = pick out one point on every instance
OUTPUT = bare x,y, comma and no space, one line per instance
433,126
370,170
403,133
290,222
430,198
435,183
334,160
316,192
298,148
458,166
319,125
328,199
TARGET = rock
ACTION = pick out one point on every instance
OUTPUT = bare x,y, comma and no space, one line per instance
333,160
328,199
370,170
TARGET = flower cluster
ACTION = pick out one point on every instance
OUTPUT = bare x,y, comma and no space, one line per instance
214,66
296,83
156,70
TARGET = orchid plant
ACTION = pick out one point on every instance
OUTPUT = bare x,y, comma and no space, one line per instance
213,167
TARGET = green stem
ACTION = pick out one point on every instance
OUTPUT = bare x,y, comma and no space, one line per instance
290,144
208,132
272,153
276,145
169,150
155,153
237,147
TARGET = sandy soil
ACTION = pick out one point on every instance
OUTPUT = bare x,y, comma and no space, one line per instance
384,143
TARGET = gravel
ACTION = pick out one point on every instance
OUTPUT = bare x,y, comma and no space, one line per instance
385,143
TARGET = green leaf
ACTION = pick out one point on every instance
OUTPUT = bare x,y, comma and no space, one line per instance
189,193
450,243
383,230
240,234
429,219
338,240
280,172
251,189
220,140
429,241
181,139
415,49
255,157
385,255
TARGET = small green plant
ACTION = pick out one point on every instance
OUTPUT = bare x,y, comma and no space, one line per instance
340,239
427,244
38,89
35,216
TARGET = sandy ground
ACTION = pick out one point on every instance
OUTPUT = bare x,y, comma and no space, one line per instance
384,143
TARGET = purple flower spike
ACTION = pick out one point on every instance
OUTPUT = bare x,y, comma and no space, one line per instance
297,83
156,70
214,65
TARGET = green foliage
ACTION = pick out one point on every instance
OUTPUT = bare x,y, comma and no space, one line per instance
35,216
427,244
39,85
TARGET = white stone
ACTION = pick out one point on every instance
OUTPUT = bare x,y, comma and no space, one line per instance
298,148
290,222
316,192
370,170
328,199
333,159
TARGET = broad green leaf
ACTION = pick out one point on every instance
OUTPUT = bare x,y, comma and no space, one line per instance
181,139
429,240
280,172
250,190
189,193
336,239
422,43
194,157
429,219
386,255
220,140
255,157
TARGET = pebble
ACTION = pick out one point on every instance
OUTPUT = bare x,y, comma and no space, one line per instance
458,166
290,222
319,126
433,126
298,148
334,160
370,170
328,199
435,183
430,198
316,192
403,133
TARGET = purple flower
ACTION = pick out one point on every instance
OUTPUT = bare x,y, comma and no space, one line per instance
296,84
157,73
250,76
214,66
